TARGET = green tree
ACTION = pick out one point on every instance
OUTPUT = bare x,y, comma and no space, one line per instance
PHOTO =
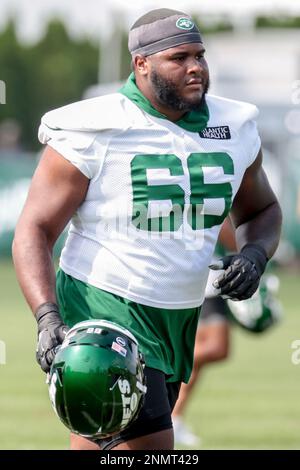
278,22
43,76
63,69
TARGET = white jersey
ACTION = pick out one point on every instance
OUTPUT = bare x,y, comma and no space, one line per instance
157,195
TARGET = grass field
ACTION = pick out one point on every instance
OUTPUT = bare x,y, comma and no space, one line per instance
249,402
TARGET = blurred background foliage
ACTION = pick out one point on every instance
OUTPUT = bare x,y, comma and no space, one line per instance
45,75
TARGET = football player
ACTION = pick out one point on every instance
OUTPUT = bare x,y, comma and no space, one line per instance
147,176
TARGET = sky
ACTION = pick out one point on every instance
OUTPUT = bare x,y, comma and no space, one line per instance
94,18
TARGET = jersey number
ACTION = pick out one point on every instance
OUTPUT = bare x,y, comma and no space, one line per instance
144,192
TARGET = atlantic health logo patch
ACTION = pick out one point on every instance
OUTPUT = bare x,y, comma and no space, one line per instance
218,133
185,23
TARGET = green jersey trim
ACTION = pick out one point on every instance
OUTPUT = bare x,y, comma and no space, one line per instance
194,121
166,337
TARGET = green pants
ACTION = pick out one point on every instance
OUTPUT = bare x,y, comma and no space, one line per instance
166,337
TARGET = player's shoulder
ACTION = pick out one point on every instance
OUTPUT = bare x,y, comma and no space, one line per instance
230,112
95,114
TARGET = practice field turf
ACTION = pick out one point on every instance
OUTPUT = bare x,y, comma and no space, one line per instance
250,401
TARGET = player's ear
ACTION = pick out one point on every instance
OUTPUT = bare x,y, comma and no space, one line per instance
140,64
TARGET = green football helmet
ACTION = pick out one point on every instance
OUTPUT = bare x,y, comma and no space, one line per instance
96,381
261,311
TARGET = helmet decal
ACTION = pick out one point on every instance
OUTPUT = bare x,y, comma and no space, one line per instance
121,341
129,401
116,347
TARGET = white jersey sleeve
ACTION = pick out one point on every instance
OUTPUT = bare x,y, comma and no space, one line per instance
74,146
81,131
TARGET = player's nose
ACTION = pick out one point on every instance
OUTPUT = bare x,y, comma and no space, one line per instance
196,66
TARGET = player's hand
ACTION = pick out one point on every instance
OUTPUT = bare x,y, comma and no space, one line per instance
51,333
242,272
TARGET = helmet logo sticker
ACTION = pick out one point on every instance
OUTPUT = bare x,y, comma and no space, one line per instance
111,388
129,402
121,341
119,349
133,402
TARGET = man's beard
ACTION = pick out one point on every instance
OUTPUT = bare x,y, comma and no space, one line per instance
167,94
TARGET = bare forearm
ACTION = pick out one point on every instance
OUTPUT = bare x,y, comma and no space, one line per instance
32,256
263,229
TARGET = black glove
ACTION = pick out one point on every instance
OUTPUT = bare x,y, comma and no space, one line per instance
51,333
242,272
